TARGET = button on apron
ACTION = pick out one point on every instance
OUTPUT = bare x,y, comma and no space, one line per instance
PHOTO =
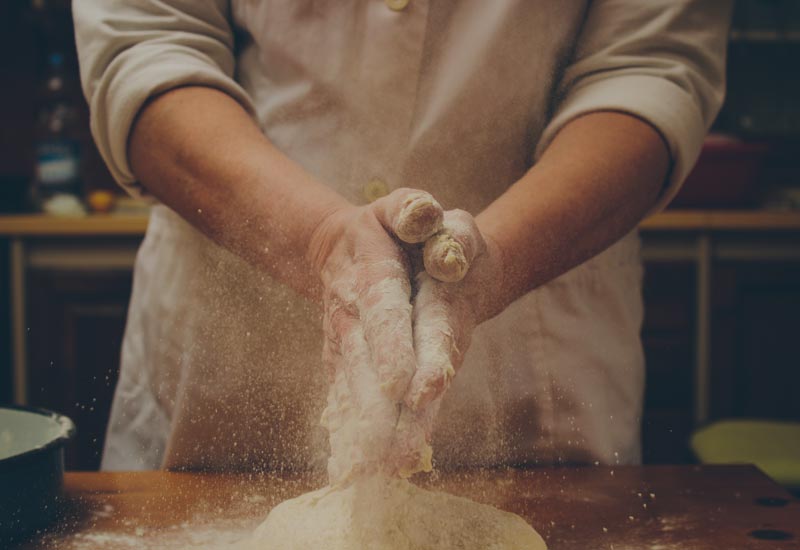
375,189
397,5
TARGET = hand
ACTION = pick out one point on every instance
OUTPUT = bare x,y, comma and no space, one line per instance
367,321
460,288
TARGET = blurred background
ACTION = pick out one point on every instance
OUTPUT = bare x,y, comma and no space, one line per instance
722,285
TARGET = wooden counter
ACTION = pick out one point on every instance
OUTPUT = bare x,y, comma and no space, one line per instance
670,220
723,220
625,508
30,225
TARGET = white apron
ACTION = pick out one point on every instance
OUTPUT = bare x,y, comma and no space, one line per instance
221,364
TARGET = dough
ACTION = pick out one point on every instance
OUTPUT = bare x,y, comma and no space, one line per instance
381,513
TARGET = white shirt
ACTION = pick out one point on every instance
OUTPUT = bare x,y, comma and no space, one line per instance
220,364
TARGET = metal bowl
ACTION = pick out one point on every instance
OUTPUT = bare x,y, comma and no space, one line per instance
31,468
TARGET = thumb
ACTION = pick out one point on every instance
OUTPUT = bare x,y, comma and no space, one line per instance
438,336
448,254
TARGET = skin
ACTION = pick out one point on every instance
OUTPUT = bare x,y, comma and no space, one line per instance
201,154
198,152
594,183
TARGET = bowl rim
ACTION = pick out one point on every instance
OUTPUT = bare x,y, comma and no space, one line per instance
59,441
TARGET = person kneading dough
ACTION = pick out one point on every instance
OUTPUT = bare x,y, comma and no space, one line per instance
439,199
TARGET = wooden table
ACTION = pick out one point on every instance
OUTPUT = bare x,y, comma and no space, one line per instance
622,508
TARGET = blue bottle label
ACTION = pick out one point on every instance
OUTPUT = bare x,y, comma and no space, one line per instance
57,163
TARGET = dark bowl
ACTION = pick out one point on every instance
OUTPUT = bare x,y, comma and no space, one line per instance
727,175
31,468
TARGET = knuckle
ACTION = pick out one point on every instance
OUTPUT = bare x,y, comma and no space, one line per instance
465,223
403,191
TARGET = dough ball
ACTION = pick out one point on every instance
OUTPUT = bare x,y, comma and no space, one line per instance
392,514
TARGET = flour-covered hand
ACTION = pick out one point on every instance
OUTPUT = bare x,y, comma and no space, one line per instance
456,292
367,321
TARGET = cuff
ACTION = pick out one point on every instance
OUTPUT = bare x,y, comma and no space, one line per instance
135,76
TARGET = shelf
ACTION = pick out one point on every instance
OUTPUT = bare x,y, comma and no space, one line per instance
723,220
98,225
40,225
766,36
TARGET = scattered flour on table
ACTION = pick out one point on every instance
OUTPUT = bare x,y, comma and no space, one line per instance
227,535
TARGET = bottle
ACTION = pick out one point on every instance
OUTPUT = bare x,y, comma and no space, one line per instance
57,186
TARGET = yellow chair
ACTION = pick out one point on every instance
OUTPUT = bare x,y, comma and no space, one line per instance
773,446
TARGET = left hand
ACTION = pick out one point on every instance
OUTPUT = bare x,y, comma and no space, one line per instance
450,302
444,317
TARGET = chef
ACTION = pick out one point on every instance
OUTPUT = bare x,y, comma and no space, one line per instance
284,141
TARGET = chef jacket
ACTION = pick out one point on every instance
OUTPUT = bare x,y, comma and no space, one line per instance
220,364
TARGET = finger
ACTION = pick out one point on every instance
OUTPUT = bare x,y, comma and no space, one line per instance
338,413
372,415
385,310
359,417
411,449
435,343
411,215
339,319
338,323
448,254
330,352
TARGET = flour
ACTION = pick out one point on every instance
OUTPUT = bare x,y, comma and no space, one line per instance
363,402
377,439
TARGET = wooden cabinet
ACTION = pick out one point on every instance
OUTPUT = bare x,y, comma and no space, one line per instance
754,363
668,340
76,321
70,283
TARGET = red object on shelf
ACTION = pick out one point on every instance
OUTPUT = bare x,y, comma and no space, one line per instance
725,176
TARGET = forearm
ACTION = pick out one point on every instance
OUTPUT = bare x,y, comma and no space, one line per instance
595,182
198,152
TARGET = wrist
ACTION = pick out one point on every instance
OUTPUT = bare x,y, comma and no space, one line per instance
500,290
324,230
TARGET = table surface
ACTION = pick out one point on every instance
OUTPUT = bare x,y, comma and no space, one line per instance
39,225
624,508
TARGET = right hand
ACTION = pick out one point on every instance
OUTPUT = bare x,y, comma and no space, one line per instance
367,321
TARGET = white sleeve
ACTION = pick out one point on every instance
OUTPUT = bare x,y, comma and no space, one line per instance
130,50
660,60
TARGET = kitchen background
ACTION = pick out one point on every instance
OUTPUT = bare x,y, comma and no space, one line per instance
722,285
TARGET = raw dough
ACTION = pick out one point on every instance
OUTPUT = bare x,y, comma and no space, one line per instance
380,513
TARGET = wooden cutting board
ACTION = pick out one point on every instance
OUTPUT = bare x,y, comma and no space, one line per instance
621,508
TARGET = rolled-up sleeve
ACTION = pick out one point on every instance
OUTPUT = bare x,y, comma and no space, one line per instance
130,50
660,60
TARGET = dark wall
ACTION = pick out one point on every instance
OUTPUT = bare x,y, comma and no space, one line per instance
20,53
